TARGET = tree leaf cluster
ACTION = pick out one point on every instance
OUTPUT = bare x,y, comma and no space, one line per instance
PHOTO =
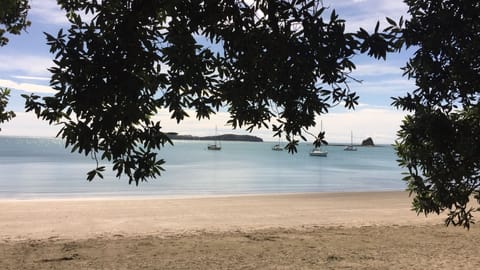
5,115
262,60
439,142
13,18
107,76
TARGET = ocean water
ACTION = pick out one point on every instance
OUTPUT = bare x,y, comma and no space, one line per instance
43,168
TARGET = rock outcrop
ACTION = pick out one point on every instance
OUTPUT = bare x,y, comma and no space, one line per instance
368,142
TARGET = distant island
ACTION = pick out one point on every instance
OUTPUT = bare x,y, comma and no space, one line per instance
224,137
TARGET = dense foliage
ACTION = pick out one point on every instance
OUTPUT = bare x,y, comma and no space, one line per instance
439,143
13,18
270,60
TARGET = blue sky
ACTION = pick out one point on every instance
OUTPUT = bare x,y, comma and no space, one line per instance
24,62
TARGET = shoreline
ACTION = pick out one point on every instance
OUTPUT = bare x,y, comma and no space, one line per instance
110,197
91,218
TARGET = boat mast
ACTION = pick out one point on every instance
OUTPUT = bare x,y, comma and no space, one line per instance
351,138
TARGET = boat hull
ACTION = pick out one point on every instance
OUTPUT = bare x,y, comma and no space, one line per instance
277,148
318,153
214,147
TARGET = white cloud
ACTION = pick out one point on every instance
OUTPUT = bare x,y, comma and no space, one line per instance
47,11
27,87
364,7
376,69
192,126
383,87
31,78
366,13
27,65
27,124
380,123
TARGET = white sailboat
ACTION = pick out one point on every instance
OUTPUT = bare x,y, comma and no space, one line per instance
277,147
318,151
215,146
350,147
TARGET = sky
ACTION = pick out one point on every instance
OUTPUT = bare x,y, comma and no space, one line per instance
26,58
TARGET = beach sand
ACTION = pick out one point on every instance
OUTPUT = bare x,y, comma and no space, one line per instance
359,230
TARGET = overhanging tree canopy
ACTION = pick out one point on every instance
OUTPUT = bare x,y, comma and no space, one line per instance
262,60
283,60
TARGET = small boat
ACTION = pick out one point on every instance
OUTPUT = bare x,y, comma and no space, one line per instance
318,152
350,147
215,146
277,147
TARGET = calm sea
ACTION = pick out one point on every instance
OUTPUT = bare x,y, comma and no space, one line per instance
42,168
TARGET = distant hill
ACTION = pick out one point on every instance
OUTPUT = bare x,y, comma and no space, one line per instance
224,137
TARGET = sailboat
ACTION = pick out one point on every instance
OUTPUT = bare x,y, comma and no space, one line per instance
277,147
215,145
318,151
350,147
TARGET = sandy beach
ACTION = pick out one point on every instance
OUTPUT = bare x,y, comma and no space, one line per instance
359,230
